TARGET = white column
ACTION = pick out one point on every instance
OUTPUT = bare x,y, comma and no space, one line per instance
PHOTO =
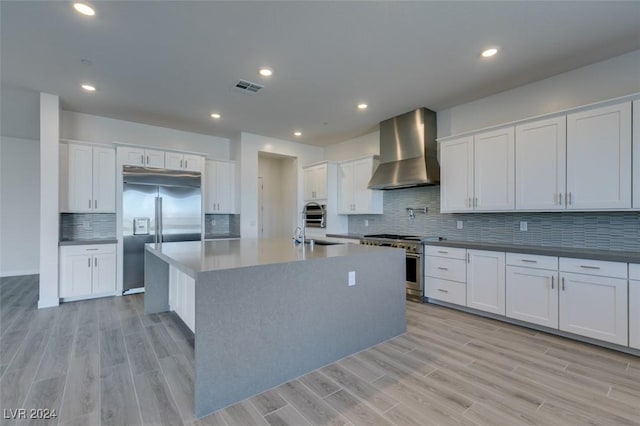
49,216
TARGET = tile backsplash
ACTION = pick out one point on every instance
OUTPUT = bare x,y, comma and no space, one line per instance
605,230
224,224
87,226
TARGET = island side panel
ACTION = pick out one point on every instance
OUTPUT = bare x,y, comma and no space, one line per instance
261,326
156,284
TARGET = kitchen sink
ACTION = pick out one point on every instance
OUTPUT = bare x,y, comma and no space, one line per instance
322,242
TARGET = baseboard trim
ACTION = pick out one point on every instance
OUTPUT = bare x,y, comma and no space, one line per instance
18,273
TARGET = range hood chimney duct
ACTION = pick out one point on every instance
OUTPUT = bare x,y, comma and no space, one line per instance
408,152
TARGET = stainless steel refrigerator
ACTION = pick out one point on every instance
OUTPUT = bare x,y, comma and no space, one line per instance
158,206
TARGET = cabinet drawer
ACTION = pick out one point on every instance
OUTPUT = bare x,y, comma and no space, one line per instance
634,271
453,253
593,267
90,249
445,290
445,268
532,261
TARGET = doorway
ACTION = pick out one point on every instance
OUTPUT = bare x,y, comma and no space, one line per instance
277,195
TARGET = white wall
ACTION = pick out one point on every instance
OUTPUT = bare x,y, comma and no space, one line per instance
20,112
92,128
19,206
368,144
249,146
608,79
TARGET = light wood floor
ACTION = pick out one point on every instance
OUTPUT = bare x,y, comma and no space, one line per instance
105,362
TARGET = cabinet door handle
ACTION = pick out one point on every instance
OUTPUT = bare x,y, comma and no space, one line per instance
529,261
95,204
475,202
552,278
89,203
589,267
570,202
560,198
142,158
185,164
562,283
442,268
443,251
95,261
88,262
92,249
468,258
181,163
443,291
147,159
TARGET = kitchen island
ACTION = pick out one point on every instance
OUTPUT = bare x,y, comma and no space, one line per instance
267,311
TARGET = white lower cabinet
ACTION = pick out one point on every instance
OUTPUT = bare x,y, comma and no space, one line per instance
532,295
445,274
87,271
634,305
182,296
594,306
486,281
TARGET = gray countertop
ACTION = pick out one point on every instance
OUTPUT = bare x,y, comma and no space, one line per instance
86,242
607,255
194,257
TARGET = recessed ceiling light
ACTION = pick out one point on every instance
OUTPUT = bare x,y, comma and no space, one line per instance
363,106
489,52
265,72
84,9
88,88
297,133
215,116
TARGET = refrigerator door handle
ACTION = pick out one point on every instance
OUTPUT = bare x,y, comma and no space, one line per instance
160,219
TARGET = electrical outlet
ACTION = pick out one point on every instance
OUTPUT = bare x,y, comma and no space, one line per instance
366,222
352,278
523,226
459,224
213,222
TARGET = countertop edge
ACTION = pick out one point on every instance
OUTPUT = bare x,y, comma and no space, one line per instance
347,236
605,255
86,242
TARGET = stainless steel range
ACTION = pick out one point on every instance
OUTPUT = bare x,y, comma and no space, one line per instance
413,248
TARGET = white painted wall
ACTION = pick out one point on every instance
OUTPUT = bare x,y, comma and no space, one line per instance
19,206
604,80
20,110
368,144
249,146
49,191
92,128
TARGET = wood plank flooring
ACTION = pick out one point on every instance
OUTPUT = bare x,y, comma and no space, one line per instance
103,362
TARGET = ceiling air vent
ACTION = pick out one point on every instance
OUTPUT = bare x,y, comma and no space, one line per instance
247,87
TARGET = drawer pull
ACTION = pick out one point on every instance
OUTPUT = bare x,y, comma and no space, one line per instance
529,261
443,251
442,268
443,290
92,249
589,267
552,278
562,283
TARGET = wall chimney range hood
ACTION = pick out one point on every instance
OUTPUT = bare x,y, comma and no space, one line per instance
408,152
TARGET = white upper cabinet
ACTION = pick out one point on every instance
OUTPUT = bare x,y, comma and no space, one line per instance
220,187
599,158
494,170
636,154
353,195
135,156
314,182
541,148
456,175
477,172
91,176
179,161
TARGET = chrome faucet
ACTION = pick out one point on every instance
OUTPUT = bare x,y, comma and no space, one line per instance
298,235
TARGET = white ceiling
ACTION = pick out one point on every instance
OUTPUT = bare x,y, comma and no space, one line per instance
172,63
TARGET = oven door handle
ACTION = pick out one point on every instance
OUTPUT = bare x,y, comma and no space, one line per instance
413,255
